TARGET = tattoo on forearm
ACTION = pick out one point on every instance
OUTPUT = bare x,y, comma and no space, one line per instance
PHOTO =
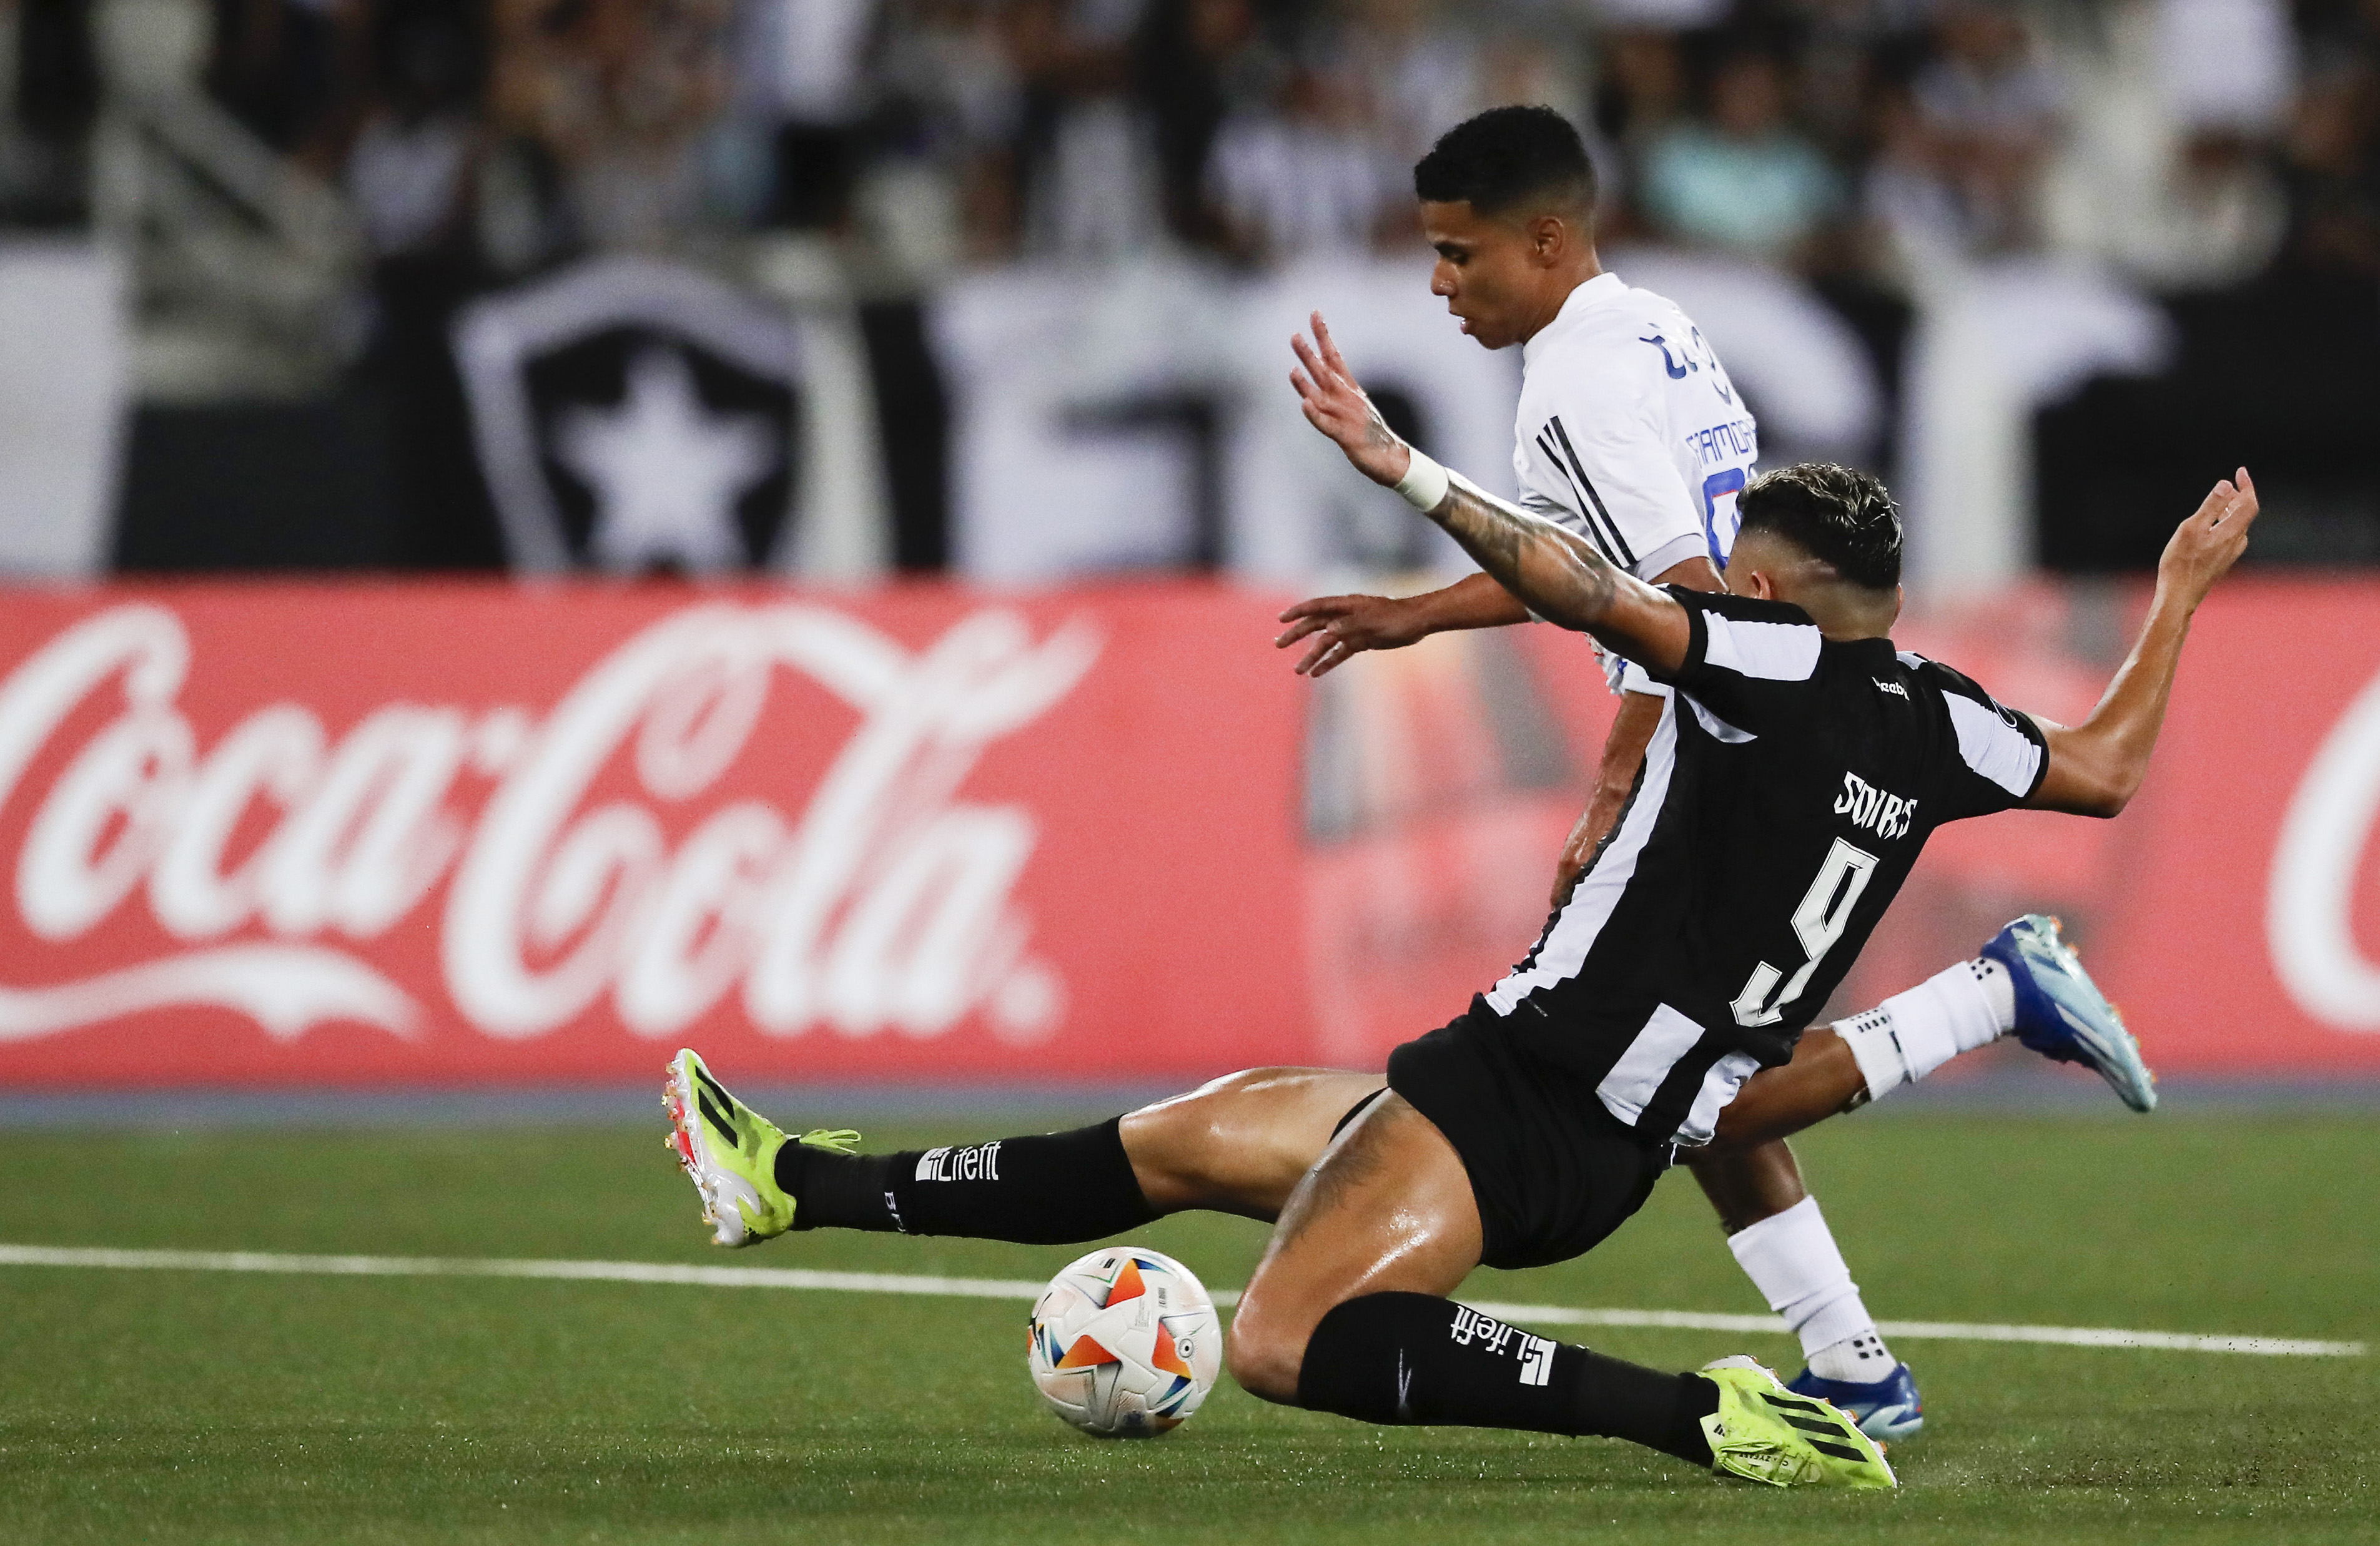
1534,559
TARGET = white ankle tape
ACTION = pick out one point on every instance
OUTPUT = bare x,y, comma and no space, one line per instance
1876,1050
1947,1014
2000,991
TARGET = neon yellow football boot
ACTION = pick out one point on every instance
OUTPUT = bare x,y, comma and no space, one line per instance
730,1151
1764,1432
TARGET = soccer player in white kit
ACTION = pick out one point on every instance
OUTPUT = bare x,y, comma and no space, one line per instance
1630,434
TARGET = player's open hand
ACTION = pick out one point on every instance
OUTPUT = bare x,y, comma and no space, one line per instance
1341,409
1344,627
2204,547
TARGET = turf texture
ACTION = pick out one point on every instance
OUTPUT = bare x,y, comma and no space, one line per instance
181,1407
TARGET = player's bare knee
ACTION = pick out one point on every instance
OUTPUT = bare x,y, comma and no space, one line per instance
1264,1353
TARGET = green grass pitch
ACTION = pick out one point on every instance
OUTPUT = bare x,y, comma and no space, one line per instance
181,1407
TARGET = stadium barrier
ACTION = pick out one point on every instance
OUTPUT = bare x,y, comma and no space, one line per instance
455,833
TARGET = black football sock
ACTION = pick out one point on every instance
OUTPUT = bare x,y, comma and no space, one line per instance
837,1191
1049,1188
1417,1359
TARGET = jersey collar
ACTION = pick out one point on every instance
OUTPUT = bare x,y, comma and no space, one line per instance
1601,290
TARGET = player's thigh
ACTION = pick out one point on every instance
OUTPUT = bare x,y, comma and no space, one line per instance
1389,1210
1241,1143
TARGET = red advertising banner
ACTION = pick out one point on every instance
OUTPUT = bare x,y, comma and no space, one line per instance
2233,910
461,832
2243,930
455,833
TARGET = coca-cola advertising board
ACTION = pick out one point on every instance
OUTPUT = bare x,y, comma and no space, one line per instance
456,833
479,832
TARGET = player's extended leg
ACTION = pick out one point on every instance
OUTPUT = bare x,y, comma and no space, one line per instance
1237,1145
1823,1081
1388,1211
1241,1144
1781,1240
2027,983
1748,1186
1348,1313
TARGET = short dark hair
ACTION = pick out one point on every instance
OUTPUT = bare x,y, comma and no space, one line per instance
1505,155
1839,515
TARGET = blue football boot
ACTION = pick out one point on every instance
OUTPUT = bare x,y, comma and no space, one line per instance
1886,1409
2061,1014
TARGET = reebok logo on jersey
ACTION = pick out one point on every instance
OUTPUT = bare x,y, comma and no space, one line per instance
978,1164
1887,815
1895,688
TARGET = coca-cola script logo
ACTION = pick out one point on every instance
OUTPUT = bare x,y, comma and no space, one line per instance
884,904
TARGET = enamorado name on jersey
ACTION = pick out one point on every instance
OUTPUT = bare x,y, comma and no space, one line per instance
1630,433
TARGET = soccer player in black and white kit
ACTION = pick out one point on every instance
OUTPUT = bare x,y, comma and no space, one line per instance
1630,435
1797,768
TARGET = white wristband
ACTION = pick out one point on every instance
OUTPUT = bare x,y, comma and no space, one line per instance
1425,483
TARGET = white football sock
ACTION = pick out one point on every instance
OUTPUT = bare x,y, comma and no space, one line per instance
1792,1260
1861,1360
1911,1034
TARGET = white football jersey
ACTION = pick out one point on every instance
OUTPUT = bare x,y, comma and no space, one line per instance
1631,434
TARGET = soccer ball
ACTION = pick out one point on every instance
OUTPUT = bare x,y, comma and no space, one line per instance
1125,1344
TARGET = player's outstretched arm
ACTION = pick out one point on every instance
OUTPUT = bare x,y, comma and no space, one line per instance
1344,627
1562,579
1554,572
2097,766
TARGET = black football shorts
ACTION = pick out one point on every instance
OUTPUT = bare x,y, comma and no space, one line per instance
1552,1171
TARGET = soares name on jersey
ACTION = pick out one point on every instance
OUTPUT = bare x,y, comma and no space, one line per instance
1887,815
1783,800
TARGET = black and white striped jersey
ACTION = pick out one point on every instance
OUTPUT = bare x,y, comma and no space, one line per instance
1783,800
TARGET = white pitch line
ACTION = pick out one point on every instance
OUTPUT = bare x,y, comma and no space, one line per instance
483,1266
1022,1288
1943,1330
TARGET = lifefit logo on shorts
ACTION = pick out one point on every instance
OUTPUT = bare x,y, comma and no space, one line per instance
1536,1354
978,1164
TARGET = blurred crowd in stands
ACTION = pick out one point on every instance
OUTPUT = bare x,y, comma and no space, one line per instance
2190,143
2080,245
